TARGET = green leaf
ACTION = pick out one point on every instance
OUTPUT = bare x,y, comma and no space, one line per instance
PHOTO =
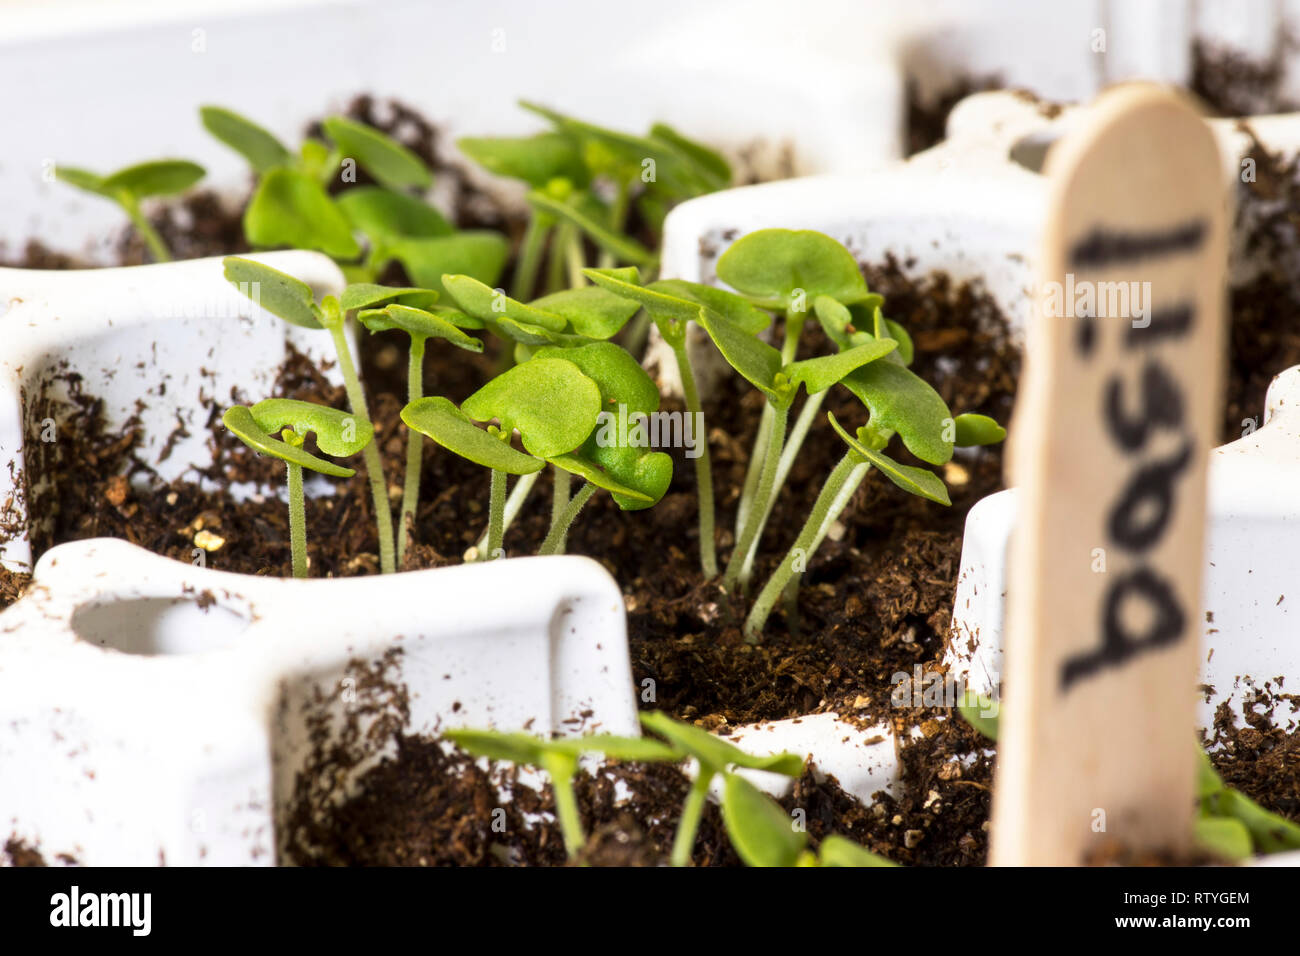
981,712
755,360
417,322
709,165
903,402
439,419
773,265
1270,832
534,159
975,429
262,150
492,305
384,215
391,163
480,254
837,851
663,307
819,374
906,351
602,479
916,481
642,749
159,177
715,754
368,295
621,247
278,292
735,309
240,421
290,208
1225,838
337,432
762,833
591,311
524,749
549,401
835,319
82,179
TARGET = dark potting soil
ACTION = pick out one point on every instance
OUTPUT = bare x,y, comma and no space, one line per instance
1232,84
926,117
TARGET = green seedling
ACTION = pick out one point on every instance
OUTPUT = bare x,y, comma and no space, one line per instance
420,325
714,756
293,301
584,180
1229,824
128,187
292,207
337,433
673,304
559,758
764,835
549,401
611,458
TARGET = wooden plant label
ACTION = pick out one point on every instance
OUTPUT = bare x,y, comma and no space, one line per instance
1116,417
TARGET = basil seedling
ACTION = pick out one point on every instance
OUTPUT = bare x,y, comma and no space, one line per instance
291,206
672,304
549,401
337,433
714,756
293,300
127,187
559,758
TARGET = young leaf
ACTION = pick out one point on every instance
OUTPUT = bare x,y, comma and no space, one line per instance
262,150
159,177
837,851
906,351
417,322
480,254
337,432
980,712
663,306
774,265
490,305
290,208
591,311
626,391
1223,837
709,165
758,828
278,292
524,749
621,247
905,403
549,401
239,420
534,159
391,163
439,419
755,360
975,429
714,753
384,215
916,481
368,295
82,179
735,309
820,373
641,749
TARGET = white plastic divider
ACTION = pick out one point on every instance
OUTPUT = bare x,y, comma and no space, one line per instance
152,712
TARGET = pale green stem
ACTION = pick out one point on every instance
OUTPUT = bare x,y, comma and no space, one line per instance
297,521
496,516
557,260
766,482
788,454
560,485
414,449
374,466
573,255
703,466
617,220
794,323
157,248
530,258
837,508
689,825
561,770
554,543
801,551
514,504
